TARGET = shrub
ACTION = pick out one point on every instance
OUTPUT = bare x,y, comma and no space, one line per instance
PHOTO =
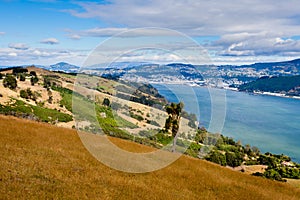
10,82
24,94
135,116
18,70
22,77
33,73
273,174
28,94
233,159
34,80
106,102
152,122
217,157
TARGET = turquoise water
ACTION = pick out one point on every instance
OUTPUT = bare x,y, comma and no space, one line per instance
270,123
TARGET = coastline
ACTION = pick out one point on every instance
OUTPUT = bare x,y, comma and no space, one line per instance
202,84
235,120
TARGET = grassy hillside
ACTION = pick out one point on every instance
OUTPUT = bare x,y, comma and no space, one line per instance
40,161
286,84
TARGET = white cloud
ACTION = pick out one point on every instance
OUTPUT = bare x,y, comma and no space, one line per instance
258,44
19,46
120,32
201,17
50,41
2,33
11,56
75,36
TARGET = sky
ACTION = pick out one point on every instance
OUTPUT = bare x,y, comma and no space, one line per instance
238,32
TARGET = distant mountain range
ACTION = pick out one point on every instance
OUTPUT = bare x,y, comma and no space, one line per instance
213,75
218,76
61,66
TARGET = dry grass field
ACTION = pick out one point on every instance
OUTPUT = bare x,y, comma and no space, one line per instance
40,161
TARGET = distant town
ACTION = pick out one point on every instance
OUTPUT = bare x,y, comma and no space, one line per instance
224,76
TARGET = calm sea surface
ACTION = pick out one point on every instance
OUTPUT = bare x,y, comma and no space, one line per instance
270,123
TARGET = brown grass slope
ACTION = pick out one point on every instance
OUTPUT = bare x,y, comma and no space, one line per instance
40,161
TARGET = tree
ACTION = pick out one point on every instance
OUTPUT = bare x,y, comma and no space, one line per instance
255,150
33,73
106,102
217,157
24,94
233,159
50,99
47,82
172,122
34,80
18,70
201,135
28,94
22,77
10,82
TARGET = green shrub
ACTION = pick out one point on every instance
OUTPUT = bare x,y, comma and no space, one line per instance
22,77
135,116
233,159
152,122
34,80
28,94
106,102
33,73
18,70
272,174
217,157
10,82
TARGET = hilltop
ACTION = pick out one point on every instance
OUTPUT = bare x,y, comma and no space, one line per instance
43,161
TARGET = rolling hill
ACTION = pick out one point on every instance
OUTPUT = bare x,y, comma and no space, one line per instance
289,85
41,161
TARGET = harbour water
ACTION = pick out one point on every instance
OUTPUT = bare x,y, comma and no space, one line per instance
271,123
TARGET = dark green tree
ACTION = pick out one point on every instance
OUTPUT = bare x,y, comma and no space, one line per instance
233,159
217,157
24,94
172,122
106,102
22,77
34,80
10,82
32,73
47,82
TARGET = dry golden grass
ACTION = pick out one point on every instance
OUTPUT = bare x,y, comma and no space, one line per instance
294,182
39,161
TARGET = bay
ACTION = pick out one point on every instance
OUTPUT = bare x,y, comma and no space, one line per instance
268,122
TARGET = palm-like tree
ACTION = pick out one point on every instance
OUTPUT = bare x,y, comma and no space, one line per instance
172,122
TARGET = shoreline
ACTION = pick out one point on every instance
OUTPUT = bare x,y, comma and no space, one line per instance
228,88
294,158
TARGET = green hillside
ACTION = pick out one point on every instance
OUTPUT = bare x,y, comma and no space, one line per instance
289,85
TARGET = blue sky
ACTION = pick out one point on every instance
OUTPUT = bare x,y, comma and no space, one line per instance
233,32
